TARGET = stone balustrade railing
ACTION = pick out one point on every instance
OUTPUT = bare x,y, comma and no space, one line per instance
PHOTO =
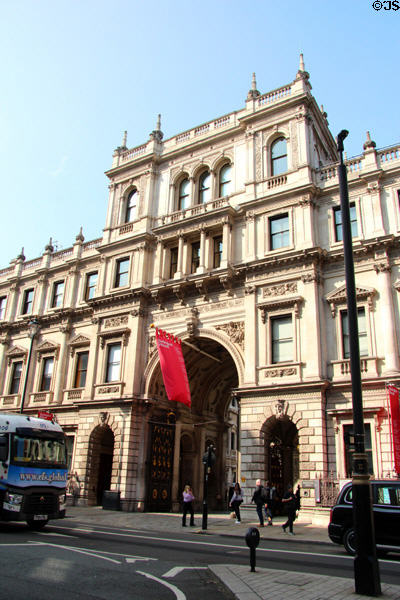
275,95
388,155
192,211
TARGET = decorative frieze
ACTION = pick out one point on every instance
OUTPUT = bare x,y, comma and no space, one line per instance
282,289
281,372
116,321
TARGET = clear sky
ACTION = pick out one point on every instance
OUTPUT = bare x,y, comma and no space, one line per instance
76,73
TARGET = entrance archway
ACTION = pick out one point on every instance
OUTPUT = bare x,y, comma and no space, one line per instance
101,451
281,441
212,376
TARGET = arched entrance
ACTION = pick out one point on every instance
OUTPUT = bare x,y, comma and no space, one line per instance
212,376
101,451
281,452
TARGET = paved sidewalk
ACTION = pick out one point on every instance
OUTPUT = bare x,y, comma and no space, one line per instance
264,584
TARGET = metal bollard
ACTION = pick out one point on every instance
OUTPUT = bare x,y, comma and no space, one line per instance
252,538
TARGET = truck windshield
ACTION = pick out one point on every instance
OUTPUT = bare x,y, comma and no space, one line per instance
42,452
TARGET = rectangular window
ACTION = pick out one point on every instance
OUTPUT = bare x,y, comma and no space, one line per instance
173,263
282,339
15,377
217,257
279,232
81,369
349,448
122,272
195,257
113,362
69,442
47,374
58,293
338,222
387,494
362,333
3,304
28,302
90,288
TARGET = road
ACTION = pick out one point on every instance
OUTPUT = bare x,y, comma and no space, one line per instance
73,560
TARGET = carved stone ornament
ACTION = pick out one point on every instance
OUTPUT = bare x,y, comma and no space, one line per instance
235,331
280,409
47,347
113,389
116,321
78,342
283,372
339,297
104,416
282,289
116,333
16,352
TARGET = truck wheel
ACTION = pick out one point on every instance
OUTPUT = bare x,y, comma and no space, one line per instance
37,525
349,542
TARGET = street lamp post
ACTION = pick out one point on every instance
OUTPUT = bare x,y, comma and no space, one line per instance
33,330
366,569
208,462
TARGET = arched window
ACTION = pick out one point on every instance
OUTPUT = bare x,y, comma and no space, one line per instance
184,196
279,156
225,180
204,187
131,207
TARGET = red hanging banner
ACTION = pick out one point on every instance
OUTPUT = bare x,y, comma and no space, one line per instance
173,367
394,415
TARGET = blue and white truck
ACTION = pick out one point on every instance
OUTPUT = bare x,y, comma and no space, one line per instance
33,470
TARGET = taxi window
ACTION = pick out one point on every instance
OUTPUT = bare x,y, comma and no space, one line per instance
388,495
349,496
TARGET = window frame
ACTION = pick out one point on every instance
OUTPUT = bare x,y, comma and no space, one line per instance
119,274
183,200
338,227
12,379
27,305
57,297
194,256
108,364
129,206
173,265
203,192
345,335
276,218
221,183
217,241
78,371
274,319
3,307
88,287
273,160
44,379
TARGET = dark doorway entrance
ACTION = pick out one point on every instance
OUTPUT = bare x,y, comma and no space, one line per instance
160,467
281,452
106,451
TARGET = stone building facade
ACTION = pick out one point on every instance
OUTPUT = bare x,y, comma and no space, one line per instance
228,236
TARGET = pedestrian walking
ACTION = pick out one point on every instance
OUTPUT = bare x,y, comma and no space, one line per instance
188,505
269,507
259,500
236,501
289,499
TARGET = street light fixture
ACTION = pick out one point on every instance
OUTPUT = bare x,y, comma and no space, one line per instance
366,569
33,329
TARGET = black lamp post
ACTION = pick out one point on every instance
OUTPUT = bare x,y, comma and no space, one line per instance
208,461
366,569
33,330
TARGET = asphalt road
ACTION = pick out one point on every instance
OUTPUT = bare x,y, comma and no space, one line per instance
74,560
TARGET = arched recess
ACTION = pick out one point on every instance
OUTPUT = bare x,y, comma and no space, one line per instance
211,382
281,441
100,463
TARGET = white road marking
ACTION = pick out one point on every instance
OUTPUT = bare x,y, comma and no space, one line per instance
79,551
63,535
179,595
176,570
134,559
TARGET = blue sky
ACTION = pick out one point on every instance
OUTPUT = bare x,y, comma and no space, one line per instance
76,74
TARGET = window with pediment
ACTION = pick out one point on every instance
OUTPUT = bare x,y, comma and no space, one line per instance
280,316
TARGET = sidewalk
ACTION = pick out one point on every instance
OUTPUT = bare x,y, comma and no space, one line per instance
264,584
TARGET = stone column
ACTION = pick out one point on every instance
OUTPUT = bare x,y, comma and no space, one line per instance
158,262
226,243
250,336
179,271
201,268
251,236
386,311
59,383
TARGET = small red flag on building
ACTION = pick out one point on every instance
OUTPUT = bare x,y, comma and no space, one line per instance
173,367
394,415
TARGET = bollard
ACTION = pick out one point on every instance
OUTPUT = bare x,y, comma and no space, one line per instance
252,538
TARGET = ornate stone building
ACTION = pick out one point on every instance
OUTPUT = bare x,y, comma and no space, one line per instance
229,236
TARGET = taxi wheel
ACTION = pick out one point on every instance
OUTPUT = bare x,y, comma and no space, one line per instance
349,542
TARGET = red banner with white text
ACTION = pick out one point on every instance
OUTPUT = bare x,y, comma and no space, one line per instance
394,415
173,367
